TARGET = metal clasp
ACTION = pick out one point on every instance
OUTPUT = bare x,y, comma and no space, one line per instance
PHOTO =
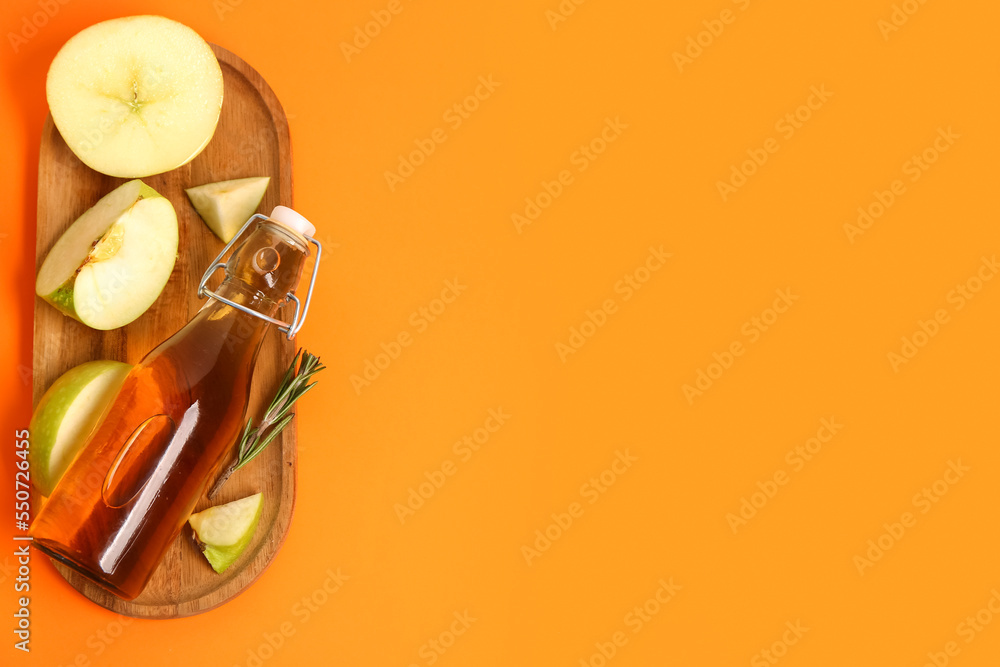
298,319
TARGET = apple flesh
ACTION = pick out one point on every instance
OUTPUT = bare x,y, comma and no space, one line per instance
223,532
135,96
67,414
112,263
227,205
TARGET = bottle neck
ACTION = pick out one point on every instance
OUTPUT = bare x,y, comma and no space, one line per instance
261,272
247,295
236,334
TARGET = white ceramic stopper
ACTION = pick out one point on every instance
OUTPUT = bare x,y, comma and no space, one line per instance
296,221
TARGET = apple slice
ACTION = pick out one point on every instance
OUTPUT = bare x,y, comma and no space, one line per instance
135,96
67,414
226,205
224,531
114,260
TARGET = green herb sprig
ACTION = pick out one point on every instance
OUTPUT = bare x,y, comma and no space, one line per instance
254,440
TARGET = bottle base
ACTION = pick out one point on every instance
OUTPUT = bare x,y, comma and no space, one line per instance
52,551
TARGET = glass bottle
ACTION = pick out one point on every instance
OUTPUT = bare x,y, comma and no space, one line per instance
125,498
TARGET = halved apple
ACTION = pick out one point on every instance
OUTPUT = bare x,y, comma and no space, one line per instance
114,260
135,96
224,531
226,205
69,411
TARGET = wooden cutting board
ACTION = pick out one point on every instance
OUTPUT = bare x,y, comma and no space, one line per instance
251,140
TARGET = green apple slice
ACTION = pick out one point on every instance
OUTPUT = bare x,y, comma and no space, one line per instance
226,205
135,96
224,531
112,263
67,414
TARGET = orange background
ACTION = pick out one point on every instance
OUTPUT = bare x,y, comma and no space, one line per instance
665,516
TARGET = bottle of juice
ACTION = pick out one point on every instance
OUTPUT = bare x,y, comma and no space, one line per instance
179,412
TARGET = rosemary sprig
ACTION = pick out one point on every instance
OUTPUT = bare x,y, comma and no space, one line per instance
254,440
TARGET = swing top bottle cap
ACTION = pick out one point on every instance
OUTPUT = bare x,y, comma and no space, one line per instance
296,221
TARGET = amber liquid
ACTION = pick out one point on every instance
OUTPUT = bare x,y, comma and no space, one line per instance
125,498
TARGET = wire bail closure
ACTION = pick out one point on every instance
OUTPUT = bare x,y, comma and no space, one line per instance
298,319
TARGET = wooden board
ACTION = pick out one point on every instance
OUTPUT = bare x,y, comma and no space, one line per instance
251,140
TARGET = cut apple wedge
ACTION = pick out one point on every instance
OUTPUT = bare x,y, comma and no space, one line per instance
135,96
112,263
226,205
67,414
224,531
